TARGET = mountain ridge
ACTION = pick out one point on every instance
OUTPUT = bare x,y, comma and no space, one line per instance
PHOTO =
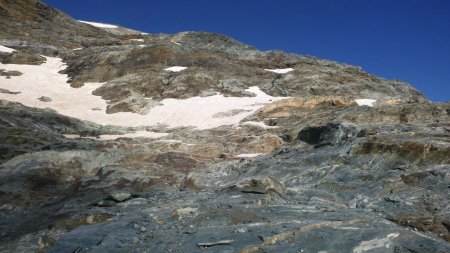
120,141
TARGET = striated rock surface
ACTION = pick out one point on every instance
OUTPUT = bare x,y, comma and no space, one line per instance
311,155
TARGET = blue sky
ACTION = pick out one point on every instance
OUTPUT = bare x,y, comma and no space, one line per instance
407,40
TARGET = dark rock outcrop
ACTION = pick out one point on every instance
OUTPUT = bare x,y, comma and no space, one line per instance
330,134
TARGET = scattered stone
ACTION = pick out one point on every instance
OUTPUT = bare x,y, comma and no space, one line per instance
241,230
10,73
120,196
45,99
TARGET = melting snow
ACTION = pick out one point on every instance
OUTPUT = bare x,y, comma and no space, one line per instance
368,102
175,69
6,49
280,71
44,80
101,25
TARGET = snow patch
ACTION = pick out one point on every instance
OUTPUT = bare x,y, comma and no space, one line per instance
44,80
4,49
175,69
100,25
78,49
248,155
258,124
365,101
140,40
280,71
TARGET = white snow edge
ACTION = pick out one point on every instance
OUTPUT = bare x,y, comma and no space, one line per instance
175,69
280,71
100,25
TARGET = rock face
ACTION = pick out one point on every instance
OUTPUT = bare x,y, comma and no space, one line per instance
133,73
305,170
33,24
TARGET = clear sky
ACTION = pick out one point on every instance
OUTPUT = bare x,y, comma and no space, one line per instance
407,40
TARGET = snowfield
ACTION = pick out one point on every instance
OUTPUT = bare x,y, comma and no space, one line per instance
100,25
44,80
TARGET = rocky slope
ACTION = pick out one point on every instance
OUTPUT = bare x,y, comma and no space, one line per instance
119,141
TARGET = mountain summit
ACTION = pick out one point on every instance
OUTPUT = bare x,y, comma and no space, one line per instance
115,140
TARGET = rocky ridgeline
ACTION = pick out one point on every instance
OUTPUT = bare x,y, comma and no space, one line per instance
313,172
